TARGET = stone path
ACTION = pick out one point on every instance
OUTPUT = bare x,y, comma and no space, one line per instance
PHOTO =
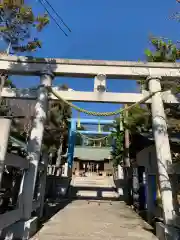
96,219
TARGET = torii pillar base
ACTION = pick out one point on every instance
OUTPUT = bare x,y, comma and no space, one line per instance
21,230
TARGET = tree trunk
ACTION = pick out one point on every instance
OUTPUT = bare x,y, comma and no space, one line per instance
126,145
127,172
58,161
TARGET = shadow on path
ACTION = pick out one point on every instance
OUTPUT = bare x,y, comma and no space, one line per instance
54,206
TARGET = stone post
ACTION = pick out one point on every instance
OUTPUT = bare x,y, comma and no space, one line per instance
5,125
35,143
163,151
120,181
135,187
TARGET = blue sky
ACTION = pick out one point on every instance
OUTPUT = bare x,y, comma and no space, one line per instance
104,29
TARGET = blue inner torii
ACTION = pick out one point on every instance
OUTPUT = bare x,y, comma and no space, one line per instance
72,134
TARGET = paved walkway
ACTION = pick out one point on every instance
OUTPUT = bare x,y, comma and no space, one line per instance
96,219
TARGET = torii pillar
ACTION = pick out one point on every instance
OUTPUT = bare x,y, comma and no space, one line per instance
35,143
163,151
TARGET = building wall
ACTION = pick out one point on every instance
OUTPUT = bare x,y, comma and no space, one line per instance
147,158
90,153
107,166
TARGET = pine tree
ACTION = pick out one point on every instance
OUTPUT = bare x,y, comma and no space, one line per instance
17,21
166,51
118,146
139,117
162,51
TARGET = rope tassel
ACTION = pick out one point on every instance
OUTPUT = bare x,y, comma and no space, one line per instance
99,126
79,121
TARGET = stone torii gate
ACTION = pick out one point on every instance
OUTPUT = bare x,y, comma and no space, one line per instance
47,69
73,132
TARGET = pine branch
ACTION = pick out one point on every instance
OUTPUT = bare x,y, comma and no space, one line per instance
16,25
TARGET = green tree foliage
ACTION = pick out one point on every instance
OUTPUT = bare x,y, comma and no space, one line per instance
166,51
4,108
56,126
107,128
9,84
162,51
79,139
56,129
118,148
138,119
17,22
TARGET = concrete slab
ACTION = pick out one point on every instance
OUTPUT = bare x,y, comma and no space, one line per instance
97,220
82,221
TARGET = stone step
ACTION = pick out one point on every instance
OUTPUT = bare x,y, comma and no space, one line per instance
94,188
52,237
94,194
